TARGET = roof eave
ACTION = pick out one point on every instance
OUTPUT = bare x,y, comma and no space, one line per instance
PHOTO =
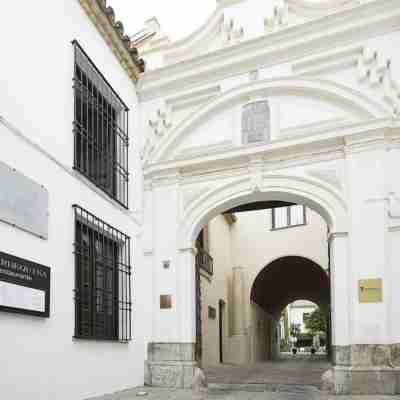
103,17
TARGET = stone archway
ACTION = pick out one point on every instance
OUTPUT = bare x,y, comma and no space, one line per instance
178,358
288,279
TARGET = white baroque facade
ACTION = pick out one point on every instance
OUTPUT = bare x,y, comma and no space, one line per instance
329,74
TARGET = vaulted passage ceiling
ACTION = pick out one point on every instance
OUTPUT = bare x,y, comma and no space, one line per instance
288,279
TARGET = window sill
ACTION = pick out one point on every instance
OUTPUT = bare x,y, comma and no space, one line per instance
288,227
112,341
80,176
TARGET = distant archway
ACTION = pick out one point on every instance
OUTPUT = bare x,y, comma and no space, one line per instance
288,279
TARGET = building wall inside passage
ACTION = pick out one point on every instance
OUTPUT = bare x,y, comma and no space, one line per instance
250,243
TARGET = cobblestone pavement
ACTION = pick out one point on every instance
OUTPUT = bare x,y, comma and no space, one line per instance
289,370
288,379
173,394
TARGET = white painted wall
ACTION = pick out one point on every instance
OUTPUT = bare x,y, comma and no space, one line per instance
41,360
256,245
251,244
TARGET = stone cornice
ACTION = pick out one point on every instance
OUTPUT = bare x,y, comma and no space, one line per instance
304,7
344,28
103,18
291,151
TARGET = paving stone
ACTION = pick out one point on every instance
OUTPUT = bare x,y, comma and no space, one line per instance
298,370
181,394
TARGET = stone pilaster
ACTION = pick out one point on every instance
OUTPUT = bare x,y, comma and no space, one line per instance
238,301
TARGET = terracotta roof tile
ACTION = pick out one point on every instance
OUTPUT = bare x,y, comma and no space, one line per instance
119,29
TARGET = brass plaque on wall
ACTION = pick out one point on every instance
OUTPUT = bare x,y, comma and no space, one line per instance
370,291
165,301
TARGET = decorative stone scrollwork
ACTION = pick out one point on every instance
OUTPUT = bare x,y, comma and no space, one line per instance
159,126
231,34
376,71
279,18
162,123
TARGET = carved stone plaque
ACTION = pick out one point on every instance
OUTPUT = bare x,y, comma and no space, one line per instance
23,202
256,122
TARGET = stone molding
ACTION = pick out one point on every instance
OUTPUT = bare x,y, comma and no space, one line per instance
312,9
199,151
372,110
193,98
325,199
189,249
284,153
331,60
336,235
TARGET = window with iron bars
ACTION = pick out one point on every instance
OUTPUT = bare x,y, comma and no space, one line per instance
100,130
103,308
204,260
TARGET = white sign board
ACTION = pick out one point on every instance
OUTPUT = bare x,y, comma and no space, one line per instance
22,297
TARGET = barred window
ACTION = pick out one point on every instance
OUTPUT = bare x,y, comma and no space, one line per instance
100,130
103,308
286,217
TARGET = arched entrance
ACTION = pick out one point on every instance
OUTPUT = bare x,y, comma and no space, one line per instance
286,280
249,341
194,214
268,189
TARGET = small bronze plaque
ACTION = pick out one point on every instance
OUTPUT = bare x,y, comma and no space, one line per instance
370,291
165,301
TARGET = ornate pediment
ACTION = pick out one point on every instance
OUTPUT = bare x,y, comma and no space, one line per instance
234,22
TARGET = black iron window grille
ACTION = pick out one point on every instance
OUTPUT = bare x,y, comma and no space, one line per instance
204,261
100,130
288,217
103,308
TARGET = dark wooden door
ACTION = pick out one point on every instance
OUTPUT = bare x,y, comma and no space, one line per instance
221,312
198,316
